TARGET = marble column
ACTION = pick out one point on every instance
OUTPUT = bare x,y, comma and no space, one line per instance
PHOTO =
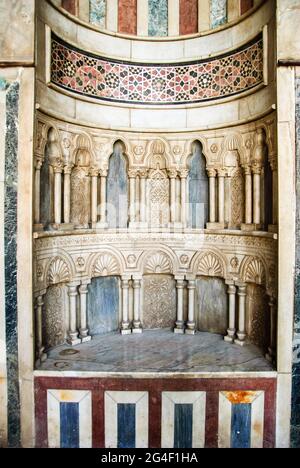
273,164
73,339
125,329
57,195
37,193
271,354
242,294
84,332
256,197
103,182
41,356
248,225
67,194
172,177
94,197
183,178
179,328
132,174
191,325
143,202
221,198
231,332
137,328
212,195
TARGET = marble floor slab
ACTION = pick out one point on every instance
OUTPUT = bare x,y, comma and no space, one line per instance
157,351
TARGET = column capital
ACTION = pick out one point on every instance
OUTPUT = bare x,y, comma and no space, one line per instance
247,169
222,172
172,173
231,289
38,163
242,289
58,168
179,283
143,173
133,173
183,173
68,169
191,284
83,288
94,172
103,172
211,172
256,169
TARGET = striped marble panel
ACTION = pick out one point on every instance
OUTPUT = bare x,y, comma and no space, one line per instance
69,414
126,419
183,419
241,419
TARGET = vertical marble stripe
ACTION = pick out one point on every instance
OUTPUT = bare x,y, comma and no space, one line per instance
173,17
198,190
10,252
241,426
127,16
103,305
218,12
245,5
158,18
98,13
183,427
188,15
70,6
126,425
69,425
112,8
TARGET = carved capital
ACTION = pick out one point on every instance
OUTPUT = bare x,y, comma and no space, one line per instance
211,172
172,173
94,172
68,169
132,173
38,163
143,173
222,172
256,169
183,173
103,172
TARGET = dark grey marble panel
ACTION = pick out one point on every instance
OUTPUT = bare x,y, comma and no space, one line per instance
295,422
211,305
10,242
103,305
117,189
198,190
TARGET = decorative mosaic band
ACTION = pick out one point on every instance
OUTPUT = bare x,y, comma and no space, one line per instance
185,83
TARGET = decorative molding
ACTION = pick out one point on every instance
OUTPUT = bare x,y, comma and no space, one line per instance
89,75
158,263
58,272
105,265
210,265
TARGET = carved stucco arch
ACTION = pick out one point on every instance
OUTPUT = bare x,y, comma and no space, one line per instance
189,151
90,148
60,269
107,262
167,153
254,270
160,261
209,263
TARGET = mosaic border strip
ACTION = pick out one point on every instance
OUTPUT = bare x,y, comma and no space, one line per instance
156,84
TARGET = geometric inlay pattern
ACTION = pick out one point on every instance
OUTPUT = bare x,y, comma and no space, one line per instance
112,80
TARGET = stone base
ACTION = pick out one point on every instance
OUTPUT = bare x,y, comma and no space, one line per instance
74,342
86,339
137,331
239,342
228,339
38,227
190,332
62,227
216,225
179,331
176,226
248,227
126,332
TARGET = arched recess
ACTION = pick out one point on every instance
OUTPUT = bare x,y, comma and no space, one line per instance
159,299
198,189
103,305
52,155
117,188
253,272
211,301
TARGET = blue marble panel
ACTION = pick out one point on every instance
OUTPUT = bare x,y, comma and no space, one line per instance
241,426
218,12
10,254
69,425
198,190
117,189
183,427
46,192
158,18
98,12
126,425
103,305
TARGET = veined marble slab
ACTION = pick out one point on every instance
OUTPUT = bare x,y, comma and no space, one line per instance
158,351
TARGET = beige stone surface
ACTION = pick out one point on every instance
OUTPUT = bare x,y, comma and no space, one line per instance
17,31
288,20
